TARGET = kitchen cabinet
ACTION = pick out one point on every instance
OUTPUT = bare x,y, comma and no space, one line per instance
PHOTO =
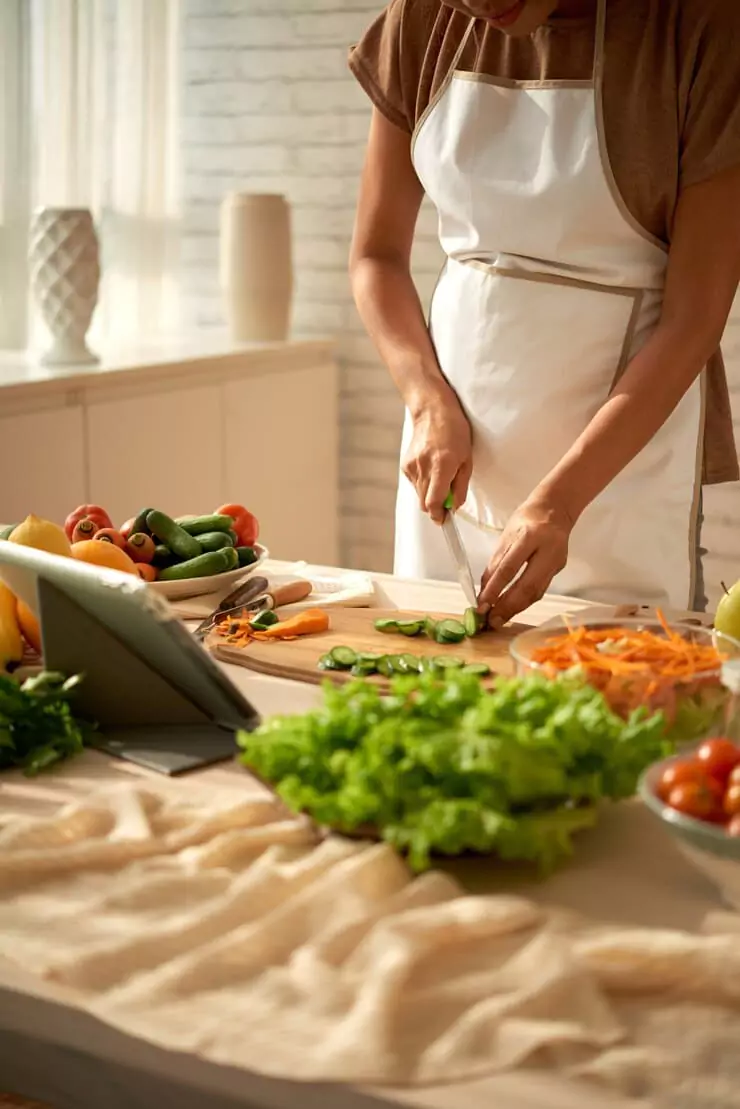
42,463
183,426
281,448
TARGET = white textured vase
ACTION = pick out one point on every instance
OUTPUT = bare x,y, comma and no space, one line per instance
256,266
65,275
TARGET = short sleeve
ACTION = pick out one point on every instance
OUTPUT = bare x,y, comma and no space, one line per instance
387,61
711,134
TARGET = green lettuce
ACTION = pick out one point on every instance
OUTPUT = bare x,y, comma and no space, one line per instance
451,767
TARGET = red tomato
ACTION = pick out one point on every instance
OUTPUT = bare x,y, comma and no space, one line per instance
731,802
734,778
697,799
719,757
679,772
128,527
246,525
733,828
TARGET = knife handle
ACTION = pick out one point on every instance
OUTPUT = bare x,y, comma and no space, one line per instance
290,594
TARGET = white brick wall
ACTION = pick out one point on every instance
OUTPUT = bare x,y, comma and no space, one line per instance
269,105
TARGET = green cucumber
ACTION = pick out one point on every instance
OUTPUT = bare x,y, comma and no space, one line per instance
481,669
201,525
450,631
363,669
231,534
140,526
215,540
263,620
326,662
410,664
164,557
384,667
202,566
448,662
247,556
473,622
7,530
396,664
410,628
172,535
388,627
344,657
430,627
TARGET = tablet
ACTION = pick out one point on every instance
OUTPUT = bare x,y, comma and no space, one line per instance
157,696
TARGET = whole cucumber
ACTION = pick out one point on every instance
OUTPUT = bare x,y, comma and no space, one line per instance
246,555
202,566
201,525
215,540
172,535
164,557
140,526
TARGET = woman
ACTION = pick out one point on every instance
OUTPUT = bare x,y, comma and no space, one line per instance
584,160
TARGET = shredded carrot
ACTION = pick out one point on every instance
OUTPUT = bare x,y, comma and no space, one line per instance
629,652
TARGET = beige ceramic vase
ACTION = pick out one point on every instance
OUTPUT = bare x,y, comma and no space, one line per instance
256,266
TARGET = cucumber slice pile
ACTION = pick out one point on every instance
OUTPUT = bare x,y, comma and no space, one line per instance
363,665
441,631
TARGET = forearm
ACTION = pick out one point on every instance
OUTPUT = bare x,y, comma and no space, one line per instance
641,402
390,309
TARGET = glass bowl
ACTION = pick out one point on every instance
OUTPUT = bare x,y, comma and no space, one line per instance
707,846
695,706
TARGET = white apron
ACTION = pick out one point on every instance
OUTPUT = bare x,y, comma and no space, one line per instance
549,289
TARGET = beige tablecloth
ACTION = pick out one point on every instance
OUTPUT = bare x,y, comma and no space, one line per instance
221,927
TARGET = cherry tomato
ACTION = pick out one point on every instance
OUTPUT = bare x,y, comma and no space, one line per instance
719,757
679,772
731,801
697,799
733,828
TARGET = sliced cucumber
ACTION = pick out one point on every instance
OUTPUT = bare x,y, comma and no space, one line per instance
367,656
395,664
450,631
409,627
482,669
326,662
386,626
385,667
264,620
364,669
410,664
448,662
430,627
344,657
473,622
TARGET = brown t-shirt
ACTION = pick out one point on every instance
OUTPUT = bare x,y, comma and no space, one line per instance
671,106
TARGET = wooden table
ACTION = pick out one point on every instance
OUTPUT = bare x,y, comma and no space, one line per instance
626,871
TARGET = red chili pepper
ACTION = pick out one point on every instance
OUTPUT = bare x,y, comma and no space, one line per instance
246,525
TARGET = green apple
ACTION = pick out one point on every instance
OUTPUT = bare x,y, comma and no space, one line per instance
727,618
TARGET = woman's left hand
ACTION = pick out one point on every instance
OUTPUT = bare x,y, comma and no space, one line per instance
533,548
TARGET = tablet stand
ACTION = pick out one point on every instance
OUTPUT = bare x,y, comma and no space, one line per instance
141,716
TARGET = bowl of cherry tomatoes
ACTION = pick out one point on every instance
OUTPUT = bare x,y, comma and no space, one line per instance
696,796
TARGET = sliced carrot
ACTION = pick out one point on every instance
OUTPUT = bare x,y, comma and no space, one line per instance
309,622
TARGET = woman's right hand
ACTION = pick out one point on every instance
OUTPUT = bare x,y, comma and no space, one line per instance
439,457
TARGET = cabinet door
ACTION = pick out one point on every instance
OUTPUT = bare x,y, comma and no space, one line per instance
158,450
281,459
42,458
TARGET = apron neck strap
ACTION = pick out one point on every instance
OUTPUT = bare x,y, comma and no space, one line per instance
599,42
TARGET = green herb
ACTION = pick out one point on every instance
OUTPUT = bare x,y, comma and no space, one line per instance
447,766
37,726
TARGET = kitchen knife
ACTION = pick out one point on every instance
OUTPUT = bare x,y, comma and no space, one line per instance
265,600
459,556
244,592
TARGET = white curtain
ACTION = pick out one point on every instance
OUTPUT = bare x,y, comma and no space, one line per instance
14,172
104,76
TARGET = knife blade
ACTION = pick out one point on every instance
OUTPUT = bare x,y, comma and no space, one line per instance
459,556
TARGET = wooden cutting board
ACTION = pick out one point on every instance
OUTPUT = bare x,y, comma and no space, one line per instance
298,660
